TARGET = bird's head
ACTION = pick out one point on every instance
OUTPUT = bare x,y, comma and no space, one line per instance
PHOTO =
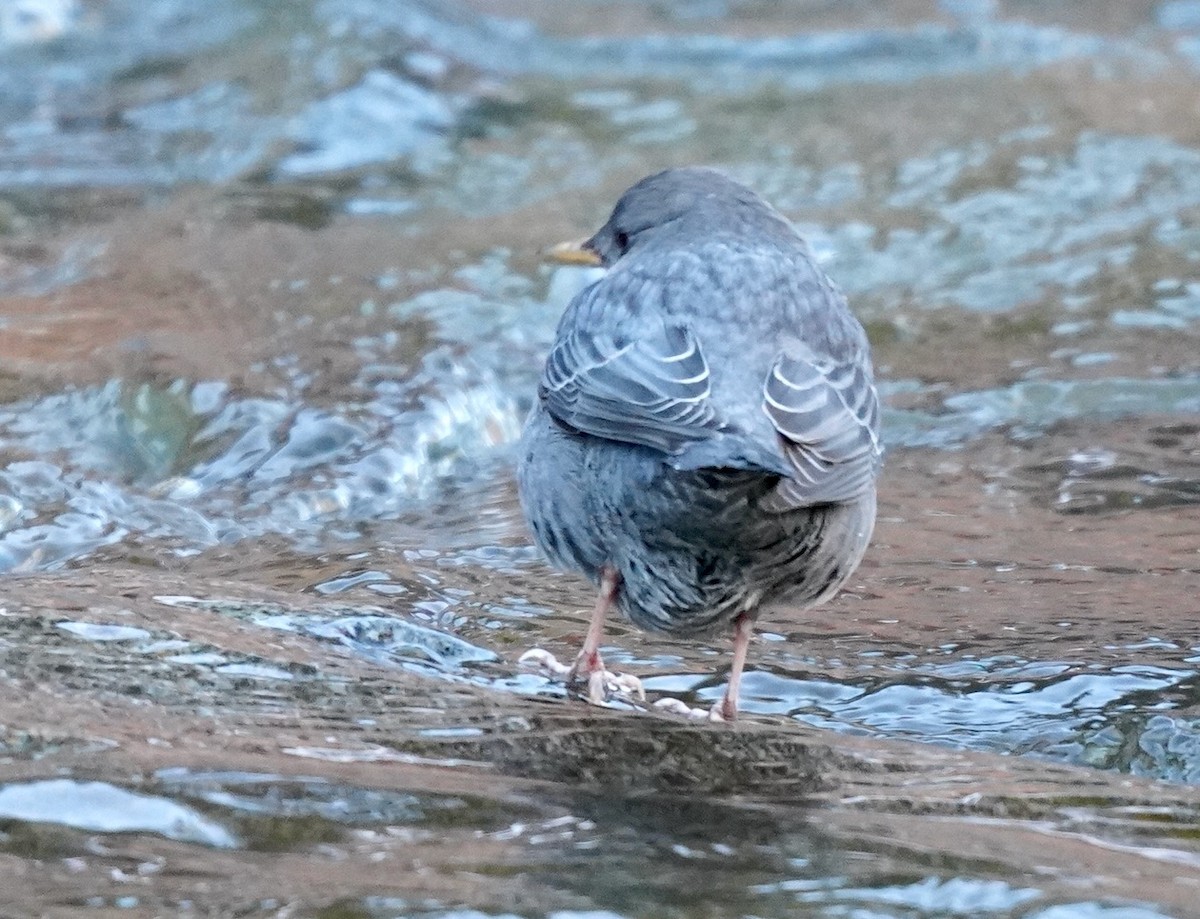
674,205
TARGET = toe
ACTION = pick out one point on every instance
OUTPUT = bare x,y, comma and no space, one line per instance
723,712
541,661
681,708
626,684
597,688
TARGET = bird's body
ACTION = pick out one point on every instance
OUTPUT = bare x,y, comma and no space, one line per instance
693,549
705,439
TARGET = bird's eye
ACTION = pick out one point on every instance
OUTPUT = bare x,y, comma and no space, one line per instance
621,238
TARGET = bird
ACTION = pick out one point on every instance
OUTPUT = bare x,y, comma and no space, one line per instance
705,439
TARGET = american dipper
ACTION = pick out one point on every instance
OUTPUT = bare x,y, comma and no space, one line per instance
705,440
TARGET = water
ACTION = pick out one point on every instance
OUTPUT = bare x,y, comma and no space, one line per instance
103,808
271,314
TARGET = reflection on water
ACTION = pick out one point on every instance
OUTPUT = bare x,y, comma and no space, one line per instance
1010,193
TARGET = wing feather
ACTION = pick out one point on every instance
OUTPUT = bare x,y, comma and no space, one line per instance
828,415
653,390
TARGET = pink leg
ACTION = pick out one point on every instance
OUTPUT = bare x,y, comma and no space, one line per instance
726,709
588,662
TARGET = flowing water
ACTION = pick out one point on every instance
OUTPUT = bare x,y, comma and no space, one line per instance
271,314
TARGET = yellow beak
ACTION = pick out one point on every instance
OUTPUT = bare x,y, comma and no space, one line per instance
572,253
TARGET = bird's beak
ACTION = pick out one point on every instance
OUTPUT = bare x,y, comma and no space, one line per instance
575,252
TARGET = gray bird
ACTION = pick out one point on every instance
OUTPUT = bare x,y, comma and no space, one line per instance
706,435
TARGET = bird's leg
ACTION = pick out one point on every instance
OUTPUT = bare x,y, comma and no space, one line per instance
588,664
726,709
588,661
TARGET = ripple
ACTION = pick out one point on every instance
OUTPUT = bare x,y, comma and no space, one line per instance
799,61
366,630
380,119
1063,220
99,632
1032,406
1004,705
103,808
139,463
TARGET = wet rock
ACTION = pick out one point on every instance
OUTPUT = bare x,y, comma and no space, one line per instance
632,756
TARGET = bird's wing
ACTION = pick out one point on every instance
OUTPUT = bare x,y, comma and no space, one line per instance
828,414
651,390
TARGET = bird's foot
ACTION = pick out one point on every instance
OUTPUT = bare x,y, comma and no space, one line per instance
679,707
602,684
